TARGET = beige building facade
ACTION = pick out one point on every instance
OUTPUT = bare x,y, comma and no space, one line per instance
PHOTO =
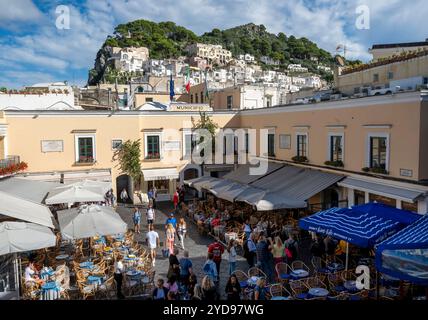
379,145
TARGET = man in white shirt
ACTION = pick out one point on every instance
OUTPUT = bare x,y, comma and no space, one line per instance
118,276
152,239
150,215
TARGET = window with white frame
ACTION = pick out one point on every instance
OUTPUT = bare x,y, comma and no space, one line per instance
152,146
189,143
85,148
302,145
336,141
271,144
285,141
378,151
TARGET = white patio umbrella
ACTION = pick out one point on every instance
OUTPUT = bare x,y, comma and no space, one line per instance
105,186
89,221
75,194
22,236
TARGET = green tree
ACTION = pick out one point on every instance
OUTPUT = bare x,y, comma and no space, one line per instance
128,156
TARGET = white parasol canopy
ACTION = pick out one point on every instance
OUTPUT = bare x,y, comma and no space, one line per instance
23,236
75,194
105,186
89,221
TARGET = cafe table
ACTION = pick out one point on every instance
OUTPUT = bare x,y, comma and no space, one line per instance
280,298
318,292
299,274
50,291
62,257
95,280
87,265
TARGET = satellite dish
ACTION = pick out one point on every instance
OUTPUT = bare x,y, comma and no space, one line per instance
340,61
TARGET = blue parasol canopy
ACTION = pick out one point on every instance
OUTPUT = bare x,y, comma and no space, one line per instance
363,226
405,255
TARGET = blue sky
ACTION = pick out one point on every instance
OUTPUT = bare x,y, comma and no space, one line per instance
33,50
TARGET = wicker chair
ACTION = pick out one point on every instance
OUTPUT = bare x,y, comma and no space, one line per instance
299,289
335,283
295,265
314,282
256,272
282,272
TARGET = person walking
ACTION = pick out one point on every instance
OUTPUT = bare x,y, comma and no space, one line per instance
174,265
124,196
171,220
176,200
152,238
293,248
209,290
232,256
217,250
160,292
250,250
118,276
263,256
278,251
150,215
185,268
210,268
136,217
233,289
155,196
170,237
182,231
247,229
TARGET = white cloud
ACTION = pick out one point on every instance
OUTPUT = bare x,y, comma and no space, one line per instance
16,12
326,22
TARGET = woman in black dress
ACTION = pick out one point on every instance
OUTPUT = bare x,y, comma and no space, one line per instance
233,289
174,265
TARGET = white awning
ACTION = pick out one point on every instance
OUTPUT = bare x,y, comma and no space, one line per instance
394,192
160,174
25,210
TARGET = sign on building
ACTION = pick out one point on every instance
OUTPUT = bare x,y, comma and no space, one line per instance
52,145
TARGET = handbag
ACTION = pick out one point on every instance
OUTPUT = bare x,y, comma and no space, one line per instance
288,253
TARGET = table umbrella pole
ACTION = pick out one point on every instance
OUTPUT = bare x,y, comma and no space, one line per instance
347,256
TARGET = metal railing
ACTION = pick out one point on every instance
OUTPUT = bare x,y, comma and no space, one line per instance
9,161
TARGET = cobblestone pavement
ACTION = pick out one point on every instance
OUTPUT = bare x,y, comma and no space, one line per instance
196,244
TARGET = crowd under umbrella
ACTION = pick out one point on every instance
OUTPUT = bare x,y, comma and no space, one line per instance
75,194
105,186
18,237
363,226
90,221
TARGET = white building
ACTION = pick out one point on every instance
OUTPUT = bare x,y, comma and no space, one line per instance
297,68
269,61
313,82
41,96
298,81
212,53
129,59
155,67
324,68
248,58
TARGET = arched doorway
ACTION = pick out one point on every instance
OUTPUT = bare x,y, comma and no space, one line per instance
124,182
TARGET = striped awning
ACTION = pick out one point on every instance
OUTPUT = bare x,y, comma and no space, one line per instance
405,255
363,226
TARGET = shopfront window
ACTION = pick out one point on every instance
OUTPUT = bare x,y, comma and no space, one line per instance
385,200
409,206
359,197
162,186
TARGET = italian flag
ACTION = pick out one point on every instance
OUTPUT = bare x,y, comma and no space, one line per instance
188,80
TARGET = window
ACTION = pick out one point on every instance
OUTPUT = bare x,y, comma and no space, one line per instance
285,141
191,98
202,97
336,148
378,152
376,77
359,197
229,102
425,80
85,149
189,144
390,75
196,98
302,145
268,101
152,147
116,144
149,99
247,143
228,144
271,145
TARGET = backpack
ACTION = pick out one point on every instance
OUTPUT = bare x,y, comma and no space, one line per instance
288,253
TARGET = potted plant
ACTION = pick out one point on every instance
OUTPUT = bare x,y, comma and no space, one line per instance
337,163
300,159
